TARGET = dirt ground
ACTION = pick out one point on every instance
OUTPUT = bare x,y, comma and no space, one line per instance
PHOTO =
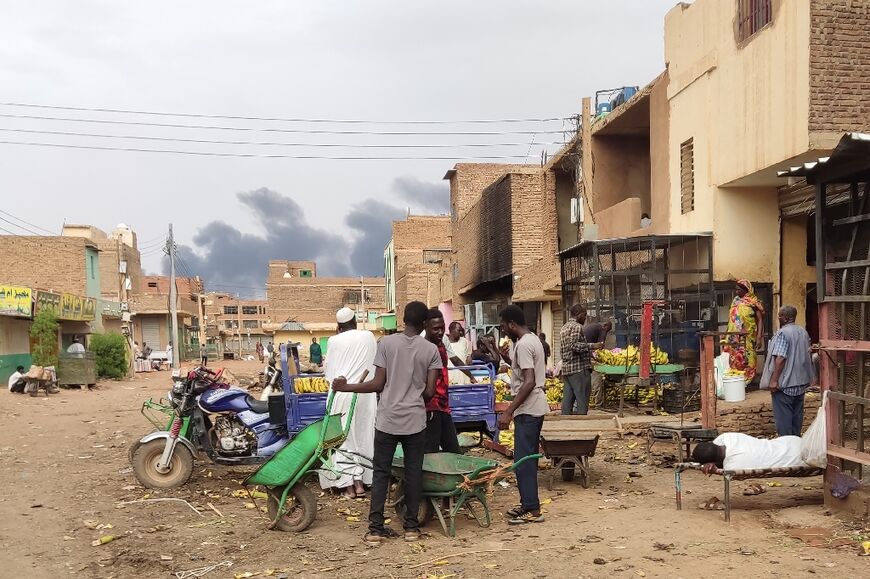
66,471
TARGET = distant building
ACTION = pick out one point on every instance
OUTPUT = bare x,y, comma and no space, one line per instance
152,322
230,320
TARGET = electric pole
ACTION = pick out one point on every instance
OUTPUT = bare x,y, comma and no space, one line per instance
239,321
173,301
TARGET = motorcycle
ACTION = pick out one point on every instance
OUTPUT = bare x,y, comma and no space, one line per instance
224,422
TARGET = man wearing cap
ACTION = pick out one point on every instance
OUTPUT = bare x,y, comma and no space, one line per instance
351,354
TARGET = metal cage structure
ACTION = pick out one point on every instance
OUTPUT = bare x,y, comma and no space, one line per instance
842,248
614,277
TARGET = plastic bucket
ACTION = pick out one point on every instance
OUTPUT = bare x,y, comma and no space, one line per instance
734,388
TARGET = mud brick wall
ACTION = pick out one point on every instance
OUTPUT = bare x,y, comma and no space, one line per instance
317,299
47,262
756,419
839,65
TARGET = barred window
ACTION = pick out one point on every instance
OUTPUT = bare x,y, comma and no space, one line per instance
687,176
752,16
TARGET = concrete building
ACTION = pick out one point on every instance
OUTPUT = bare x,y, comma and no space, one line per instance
419,248
297,296
749,89
232,322
151,314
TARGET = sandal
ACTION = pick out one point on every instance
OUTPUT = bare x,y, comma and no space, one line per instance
753,490
712,504
515,512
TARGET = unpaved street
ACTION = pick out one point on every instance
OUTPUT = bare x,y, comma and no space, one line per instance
65,469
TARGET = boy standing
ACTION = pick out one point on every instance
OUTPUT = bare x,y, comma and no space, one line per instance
406,370
527,410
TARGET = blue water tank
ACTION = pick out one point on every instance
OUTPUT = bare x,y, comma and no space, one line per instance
603,109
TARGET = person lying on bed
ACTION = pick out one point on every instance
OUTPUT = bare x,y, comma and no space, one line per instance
736,451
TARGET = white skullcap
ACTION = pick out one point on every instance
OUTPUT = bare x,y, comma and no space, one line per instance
344,315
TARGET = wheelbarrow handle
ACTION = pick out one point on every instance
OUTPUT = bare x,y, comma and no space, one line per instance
524,459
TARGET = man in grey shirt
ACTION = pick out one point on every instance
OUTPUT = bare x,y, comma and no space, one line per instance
788,371
406,371
527,410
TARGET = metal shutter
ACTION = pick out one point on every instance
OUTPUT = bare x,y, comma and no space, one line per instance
151,333
558,322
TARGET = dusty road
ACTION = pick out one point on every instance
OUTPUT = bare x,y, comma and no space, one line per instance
65,469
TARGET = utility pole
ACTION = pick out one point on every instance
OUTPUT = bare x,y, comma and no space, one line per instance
239,322
200,297
122,297
362,301
173,301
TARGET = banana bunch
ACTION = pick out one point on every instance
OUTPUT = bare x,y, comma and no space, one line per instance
552,383
554,394
629,356
502,391
310,385
733,372
506,438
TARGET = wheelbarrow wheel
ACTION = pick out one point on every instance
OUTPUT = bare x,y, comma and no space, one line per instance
299,511
425,512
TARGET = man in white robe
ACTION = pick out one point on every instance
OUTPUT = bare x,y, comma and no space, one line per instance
350,353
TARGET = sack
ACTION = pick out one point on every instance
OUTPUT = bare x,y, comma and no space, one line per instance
814,443
35,373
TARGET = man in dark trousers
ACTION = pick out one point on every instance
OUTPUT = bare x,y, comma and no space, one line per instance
525,354
406,371
788,371
315,354
440,430
576,363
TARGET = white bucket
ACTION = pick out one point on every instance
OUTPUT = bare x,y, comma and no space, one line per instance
734,388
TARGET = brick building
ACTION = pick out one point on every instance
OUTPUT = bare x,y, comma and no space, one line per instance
225,314
419,247
295,294
151,317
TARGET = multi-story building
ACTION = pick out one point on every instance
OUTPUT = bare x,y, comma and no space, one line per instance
302,305
749,89
234,324
419,247
151,310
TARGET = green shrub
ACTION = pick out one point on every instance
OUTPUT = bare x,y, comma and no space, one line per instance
43,330
110,354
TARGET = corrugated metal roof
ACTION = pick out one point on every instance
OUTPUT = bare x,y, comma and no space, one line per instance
850,145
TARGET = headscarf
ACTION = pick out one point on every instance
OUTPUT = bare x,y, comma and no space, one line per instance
750,299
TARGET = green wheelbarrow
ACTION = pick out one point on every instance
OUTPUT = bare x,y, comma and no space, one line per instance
291,505
455,480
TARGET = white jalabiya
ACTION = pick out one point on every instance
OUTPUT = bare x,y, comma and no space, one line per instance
461,349
349,354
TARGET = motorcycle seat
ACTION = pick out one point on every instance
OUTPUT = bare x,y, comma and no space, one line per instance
258,406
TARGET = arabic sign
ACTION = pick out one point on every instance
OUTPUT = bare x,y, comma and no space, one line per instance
15,301
47,301
109,309
73,307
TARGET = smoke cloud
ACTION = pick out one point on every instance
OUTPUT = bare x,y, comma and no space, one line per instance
236,262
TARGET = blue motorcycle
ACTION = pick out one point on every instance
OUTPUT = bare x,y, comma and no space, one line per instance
203,415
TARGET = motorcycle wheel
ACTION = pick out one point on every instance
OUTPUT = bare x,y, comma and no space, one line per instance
300,508
131,450
145,459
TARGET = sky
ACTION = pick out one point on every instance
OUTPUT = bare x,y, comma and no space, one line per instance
449,60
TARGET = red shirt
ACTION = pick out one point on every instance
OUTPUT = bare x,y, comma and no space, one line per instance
440,402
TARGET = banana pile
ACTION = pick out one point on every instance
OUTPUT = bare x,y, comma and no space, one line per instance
554,392
506,438
629,356
502,391
310,385
733,372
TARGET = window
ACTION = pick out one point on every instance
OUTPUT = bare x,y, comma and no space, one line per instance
250,324
230,324
93,267
305,273
687,176
231,310
152,284
250,310
752,16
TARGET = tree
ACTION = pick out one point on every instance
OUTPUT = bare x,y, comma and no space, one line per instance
43,330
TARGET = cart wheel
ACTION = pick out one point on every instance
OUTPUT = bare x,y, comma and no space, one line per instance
425,512
584,473
568,472
299,510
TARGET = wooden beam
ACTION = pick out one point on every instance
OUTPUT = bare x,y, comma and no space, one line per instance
845,345
848,264
849,398
847,299
851,220
849,454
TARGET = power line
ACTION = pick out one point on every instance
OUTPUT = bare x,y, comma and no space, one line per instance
276,130
18,226
270,143
256,155
288,120
27,222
